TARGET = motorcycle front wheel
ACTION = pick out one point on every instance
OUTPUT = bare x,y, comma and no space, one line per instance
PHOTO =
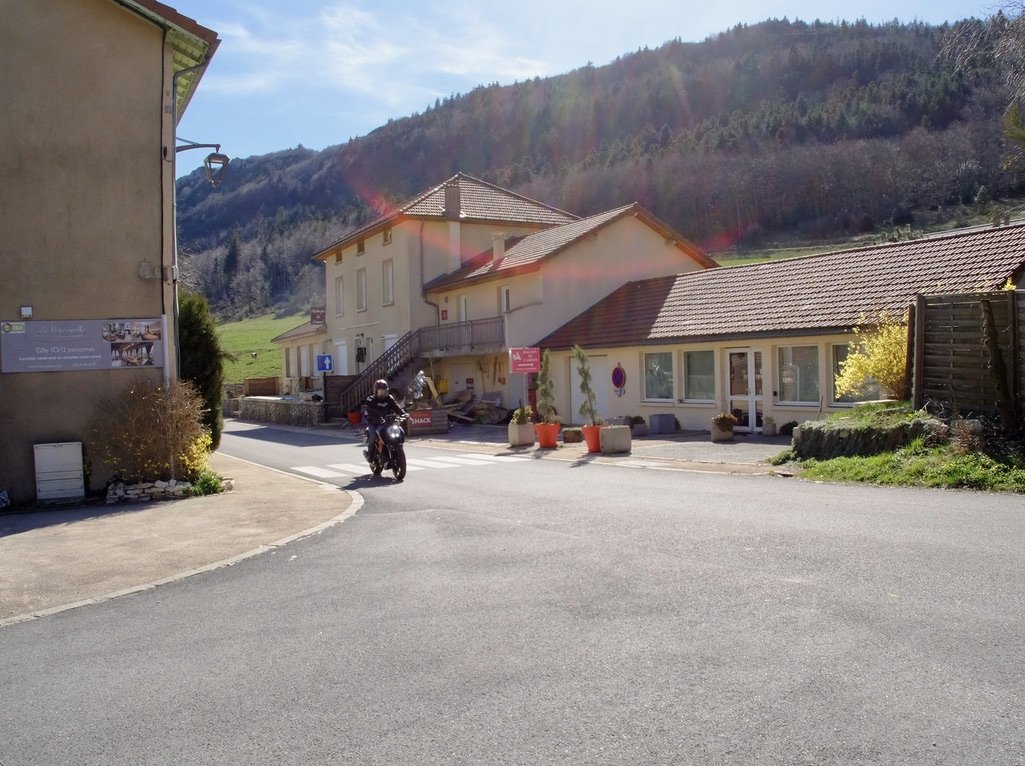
398,463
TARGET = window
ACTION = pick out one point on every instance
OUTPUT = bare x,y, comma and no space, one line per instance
871,392
464,308
386,237
504,300
361,290
388,282
699,376
339,296
361,247
798,372
338,257
658,376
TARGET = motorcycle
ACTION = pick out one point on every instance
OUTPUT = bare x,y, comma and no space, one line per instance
389,453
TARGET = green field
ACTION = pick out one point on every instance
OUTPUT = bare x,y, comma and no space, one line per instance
247,337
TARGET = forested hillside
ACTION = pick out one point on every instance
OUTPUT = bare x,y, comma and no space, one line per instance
808,130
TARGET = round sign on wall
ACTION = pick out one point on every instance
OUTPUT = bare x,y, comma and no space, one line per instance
619,379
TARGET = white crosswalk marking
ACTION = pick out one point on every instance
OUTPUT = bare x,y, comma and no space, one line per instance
499,458
350,467
428,463
342,470
320,473
459,460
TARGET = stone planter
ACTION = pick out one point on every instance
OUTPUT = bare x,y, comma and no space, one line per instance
614,439
572,435
521,434
721,434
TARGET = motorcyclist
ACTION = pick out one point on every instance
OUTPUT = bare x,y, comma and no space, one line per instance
376,408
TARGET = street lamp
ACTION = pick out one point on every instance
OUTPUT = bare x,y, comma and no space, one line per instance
216,164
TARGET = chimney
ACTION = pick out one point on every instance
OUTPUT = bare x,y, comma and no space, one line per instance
497,246
453,203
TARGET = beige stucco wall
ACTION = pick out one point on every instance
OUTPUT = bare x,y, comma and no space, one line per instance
409,310
84,200
571,281
692,415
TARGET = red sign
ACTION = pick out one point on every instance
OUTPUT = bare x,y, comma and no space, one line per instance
318,315
524,360
444,315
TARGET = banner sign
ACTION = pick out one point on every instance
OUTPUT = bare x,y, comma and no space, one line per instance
524,360
87,344
318,315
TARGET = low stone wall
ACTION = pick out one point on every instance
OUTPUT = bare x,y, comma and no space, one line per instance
119,492
823,440
289,412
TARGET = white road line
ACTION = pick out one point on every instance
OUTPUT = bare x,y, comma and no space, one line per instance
463,460
497,458
420,462
350,467
320,473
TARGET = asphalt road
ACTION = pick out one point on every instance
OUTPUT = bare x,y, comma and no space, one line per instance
547,612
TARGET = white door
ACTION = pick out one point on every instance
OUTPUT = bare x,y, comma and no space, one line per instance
744,381
388,341
341,359
600,384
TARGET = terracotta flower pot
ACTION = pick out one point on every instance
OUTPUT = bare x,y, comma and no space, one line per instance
592,436
547,435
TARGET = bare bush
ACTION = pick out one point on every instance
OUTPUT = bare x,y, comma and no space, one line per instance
149,431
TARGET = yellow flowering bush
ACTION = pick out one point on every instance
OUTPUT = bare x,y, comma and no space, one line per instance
878,353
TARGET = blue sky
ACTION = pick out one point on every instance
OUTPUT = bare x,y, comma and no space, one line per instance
317,72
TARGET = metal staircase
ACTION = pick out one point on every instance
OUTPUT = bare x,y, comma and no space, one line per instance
477,337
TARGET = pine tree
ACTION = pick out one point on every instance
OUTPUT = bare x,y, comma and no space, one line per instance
202,359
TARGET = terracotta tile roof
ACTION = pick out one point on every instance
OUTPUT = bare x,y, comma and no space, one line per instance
526,253
811,295
479,201
302,331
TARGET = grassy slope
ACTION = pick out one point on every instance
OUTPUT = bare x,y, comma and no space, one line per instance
244,338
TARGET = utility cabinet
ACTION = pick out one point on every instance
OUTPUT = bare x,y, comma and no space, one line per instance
59,474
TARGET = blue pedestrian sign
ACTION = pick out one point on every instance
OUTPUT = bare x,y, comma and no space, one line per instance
325,363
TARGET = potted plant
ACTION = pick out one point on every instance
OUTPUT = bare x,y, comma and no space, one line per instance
587,409
722,427
572,435
637,426
521,430
548,429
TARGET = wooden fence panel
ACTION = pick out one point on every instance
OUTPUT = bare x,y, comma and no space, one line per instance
949,357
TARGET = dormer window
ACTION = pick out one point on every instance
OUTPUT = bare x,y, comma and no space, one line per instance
386,237
338,257
361,247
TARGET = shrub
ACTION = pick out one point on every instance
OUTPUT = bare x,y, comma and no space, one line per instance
724,421
148,432
206,483
521,416
877,354
202,360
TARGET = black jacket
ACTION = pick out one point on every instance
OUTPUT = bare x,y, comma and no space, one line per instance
375,410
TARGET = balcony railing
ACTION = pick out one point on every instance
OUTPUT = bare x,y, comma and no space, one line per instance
464,337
